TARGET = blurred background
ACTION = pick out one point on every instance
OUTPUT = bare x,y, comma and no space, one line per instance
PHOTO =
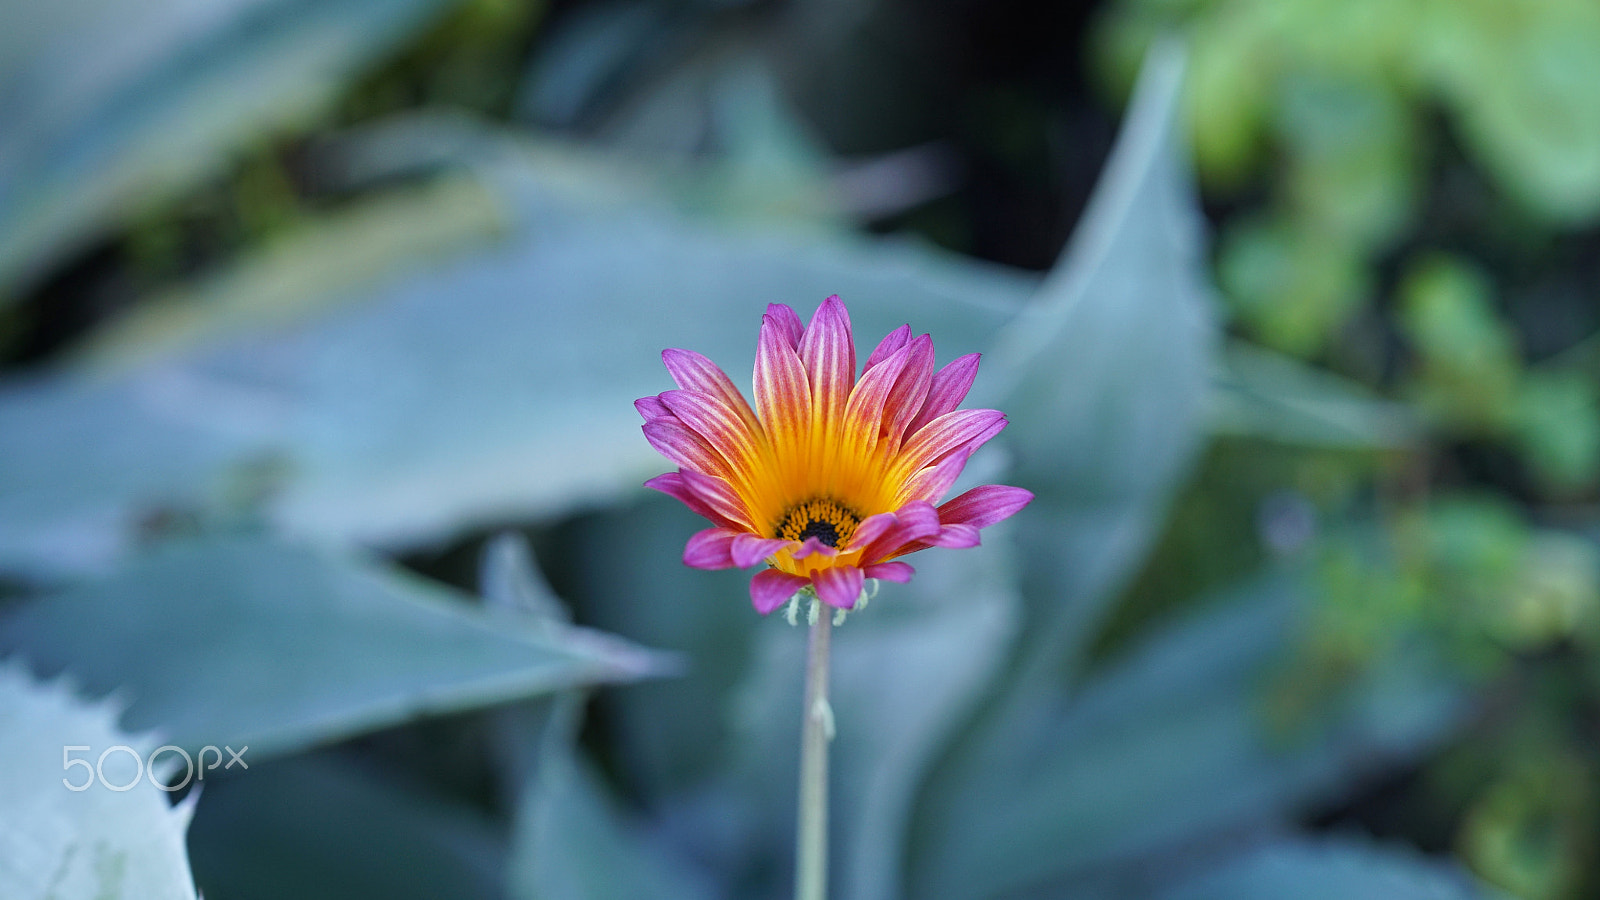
320,324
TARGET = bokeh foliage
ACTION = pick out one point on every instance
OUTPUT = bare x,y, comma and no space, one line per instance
1408,193
1421,172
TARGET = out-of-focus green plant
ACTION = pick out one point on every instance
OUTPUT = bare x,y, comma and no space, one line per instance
1407,192
1532,825
1343,88
470,60
1322,114
425,328
1471,380
205,483
1466,567
1467,364
1468,576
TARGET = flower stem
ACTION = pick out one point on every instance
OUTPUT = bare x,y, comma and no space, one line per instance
816,730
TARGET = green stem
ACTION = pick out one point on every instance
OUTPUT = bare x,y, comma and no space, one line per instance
816,730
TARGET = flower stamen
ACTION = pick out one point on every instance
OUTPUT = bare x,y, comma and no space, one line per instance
823,518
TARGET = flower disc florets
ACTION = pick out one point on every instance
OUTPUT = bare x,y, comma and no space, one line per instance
830,478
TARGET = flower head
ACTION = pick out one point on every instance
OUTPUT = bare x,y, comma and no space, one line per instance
831,477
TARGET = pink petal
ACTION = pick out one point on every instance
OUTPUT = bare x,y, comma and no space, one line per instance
829,355
723,427
890,571
870,529
839,587
964,428
913,522
812,545
863,416
985,505
651,408
770,589
909,391
956,536
783,394
685,447
891,342
949,388
933,482
720,496
710,549
787,321
673,485
749,549
694,372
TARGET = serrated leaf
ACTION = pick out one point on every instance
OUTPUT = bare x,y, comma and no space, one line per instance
247,642
117,838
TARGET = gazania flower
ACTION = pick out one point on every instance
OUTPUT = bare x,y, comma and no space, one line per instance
831,478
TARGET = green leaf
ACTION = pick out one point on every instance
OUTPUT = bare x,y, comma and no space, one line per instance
252,643
1227,98
1470,363
495,387
1170,745
1530,821
1105,376
1259,393
291,279
573,841
1294,286
316,827
584,52
571,838
1521,80
1329,870
1105,380
120,104
623,569
1350,158
104,840
1557,422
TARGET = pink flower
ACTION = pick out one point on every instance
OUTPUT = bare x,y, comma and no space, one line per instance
831,478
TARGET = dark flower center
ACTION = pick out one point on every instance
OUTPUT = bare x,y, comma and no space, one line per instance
827,520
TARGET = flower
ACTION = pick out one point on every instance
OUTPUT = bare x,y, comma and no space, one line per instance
830,478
